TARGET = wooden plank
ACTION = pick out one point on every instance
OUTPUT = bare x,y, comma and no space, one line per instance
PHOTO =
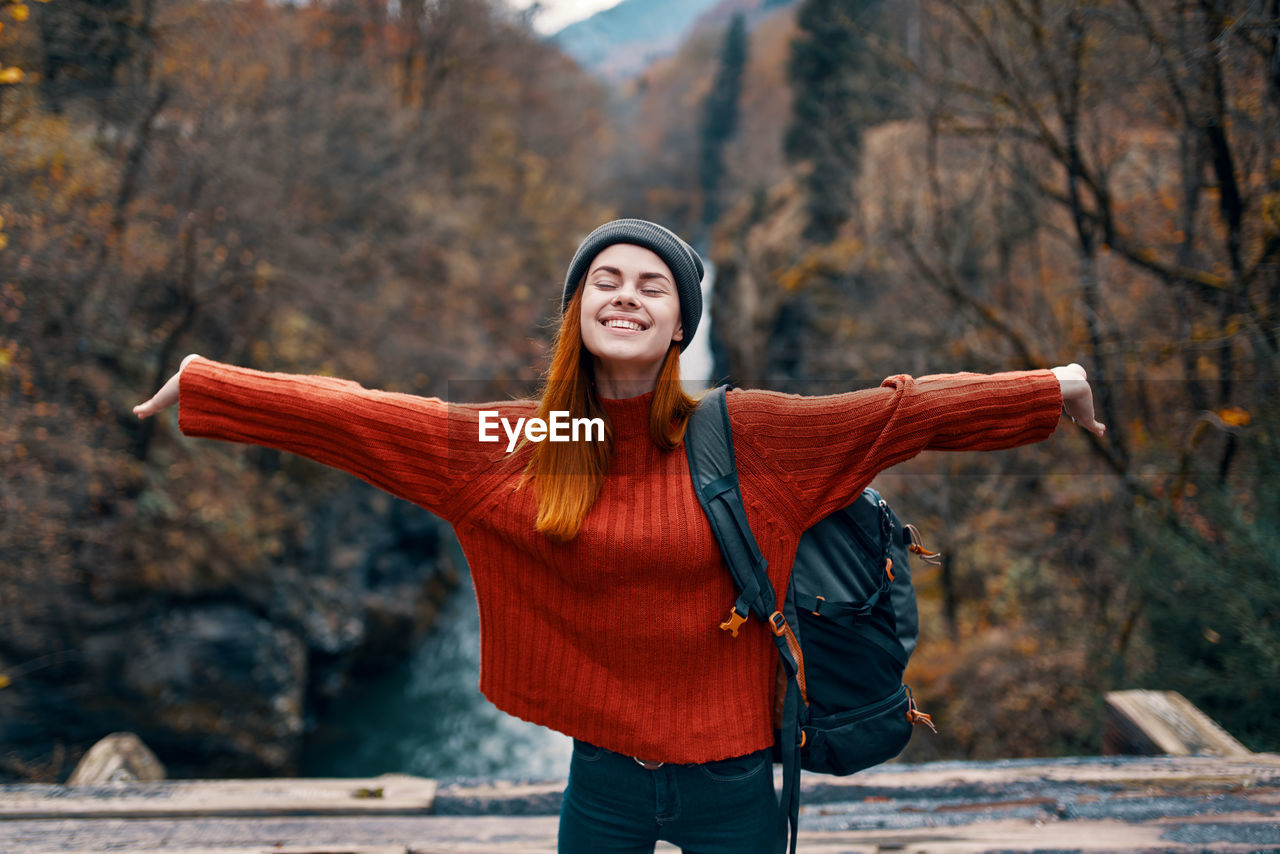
538,836
269,835
982,837
406,795
895,780
1165,803
1147,723
355,848
389,794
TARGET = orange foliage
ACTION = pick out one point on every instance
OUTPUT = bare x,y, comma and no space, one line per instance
276,192
1013,221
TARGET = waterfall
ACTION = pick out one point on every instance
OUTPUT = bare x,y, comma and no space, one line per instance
696,364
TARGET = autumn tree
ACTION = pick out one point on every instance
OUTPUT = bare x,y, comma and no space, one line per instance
279,187
1074,193
87,46
1075,181
17,48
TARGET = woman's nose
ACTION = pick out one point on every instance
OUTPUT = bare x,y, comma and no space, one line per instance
624,296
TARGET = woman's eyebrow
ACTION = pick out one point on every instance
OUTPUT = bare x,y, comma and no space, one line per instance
615,271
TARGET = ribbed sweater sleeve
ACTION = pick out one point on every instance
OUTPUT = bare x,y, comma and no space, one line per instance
816,454
417,448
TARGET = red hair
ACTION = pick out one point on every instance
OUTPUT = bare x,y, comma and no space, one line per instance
568,476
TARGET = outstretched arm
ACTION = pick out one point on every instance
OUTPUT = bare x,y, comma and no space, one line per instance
816,454
417,448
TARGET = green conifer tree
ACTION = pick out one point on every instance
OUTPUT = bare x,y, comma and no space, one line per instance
720,116
839,86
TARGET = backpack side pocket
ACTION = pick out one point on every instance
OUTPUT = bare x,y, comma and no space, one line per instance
859,738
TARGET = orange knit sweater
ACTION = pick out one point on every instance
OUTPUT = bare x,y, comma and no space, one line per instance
613,638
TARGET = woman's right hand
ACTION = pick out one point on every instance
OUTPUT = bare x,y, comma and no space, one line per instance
167,395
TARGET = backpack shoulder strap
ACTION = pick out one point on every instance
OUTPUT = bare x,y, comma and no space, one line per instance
708,442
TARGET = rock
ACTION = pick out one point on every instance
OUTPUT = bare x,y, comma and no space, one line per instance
120,757
223,679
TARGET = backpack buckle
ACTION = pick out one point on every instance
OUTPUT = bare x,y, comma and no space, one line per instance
734,621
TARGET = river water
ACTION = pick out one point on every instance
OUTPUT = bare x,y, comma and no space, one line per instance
427,716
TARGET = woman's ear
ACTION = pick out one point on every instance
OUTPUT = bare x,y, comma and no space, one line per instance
678,335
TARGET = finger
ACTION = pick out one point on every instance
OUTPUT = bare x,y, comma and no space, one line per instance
148,408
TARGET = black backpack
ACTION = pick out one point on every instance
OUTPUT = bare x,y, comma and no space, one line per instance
845,631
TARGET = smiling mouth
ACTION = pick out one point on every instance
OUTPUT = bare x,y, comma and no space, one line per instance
618,323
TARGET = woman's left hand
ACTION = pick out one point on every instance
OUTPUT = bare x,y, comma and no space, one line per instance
1077,398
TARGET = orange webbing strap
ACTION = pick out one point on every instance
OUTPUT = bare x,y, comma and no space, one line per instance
782,629
915,545
915,716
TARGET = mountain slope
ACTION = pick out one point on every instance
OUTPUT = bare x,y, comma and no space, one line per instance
619,42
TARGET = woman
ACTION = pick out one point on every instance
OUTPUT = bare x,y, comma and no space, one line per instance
599,582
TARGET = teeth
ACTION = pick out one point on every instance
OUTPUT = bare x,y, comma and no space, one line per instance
623,324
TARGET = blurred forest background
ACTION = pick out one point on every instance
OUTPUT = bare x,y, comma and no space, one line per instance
390,193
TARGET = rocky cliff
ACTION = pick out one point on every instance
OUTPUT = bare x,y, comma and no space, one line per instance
224,682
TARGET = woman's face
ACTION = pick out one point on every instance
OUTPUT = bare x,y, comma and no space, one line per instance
630,309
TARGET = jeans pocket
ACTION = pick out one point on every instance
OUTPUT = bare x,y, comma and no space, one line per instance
586,752
736,769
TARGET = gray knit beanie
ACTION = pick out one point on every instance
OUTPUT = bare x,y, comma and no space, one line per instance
679,256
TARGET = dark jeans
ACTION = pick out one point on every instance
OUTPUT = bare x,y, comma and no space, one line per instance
614,805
